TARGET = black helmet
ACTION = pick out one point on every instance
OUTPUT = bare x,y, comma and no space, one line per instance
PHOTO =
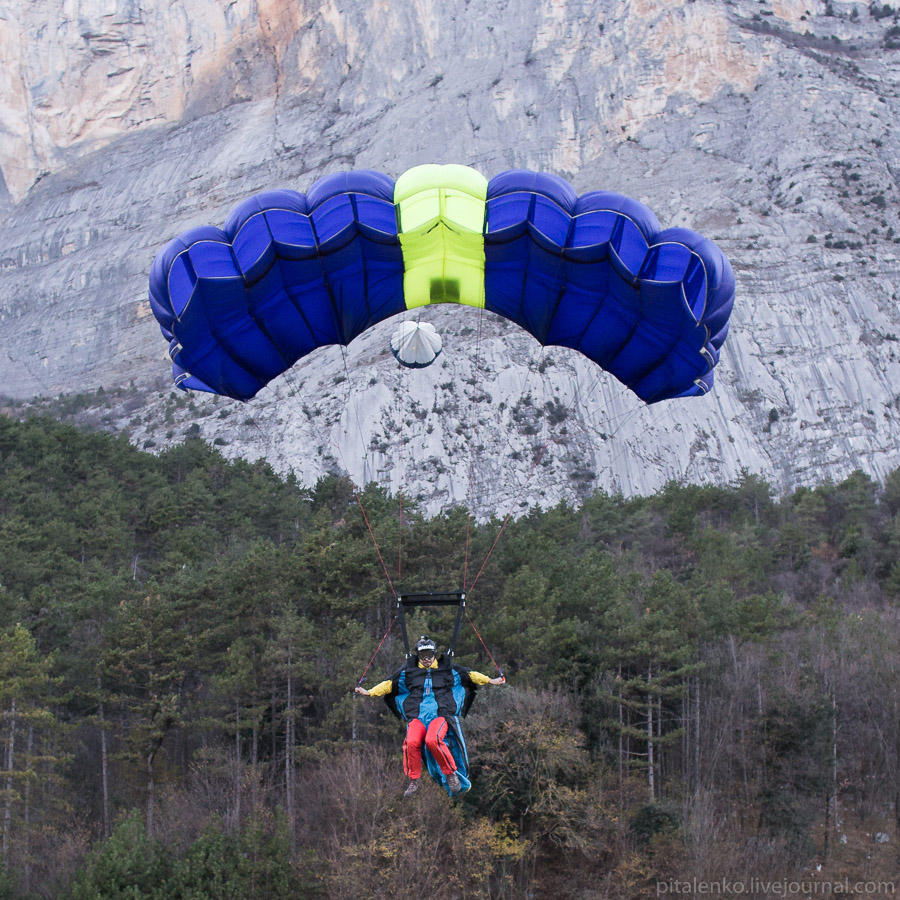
425,644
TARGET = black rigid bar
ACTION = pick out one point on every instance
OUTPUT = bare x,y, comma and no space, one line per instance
431,599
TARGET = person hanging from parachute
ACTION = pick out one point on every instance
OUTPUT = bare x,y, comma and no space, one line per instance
289,273
431,694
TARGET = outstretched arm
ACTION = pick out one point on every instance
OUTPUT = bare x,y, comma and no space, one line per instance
478,678
380,689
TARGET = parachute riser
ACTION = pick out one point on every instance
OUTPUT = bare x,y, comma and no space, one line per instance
412,601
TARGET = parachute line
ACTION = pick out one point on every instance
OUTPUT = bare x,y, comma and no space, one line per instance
400,536
356,494
472,431
509,515
387,574
483,644
380,644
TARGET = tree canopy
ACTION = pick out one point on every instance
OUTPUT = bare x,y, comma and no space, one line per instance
180,635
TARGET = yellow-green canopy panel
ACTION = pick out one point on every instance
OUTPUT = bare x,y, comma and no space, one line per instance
440,223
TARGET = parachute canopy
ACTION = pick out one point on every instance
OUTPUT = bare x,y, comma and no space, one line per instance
291,272
416,344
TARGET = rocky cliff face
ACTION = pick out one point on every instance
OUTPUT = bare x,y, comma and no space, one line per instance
769,126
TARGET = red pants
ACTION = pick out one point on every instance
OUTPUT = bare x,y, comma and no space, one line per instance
433,738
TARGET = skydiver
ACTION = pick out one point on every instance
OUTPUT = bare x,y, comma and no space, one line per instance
430,695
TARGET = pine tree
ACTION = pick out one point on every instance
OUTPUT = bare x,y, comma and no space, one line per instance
27,692
648,659
146,665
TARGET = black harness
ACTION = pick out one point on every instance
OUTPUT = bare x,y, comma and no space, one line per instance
442,680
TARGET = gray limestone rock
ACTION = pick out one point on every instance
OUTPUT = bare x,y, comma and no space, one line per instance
770,127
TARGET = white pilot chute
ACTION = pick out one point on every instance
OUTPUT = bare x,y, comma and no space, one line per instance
416,344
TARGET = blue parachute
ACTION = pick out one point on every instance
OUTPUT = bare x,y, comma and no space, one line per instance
290,272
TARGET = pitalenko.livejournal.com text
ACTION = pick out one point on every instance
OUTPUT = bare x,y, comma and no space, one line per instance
762,887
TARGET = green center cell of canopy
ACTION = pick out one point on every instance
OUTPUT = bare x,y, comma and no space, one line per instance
440,213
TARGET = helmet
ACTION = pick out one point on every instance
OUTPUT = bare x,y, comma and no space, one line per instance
425,644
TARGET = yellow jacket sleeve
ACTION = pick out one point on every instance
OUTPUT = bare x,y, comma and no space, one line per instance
478,678
382,688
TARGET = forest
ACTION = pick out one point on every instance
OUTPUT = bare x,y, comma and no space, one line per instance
703,684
